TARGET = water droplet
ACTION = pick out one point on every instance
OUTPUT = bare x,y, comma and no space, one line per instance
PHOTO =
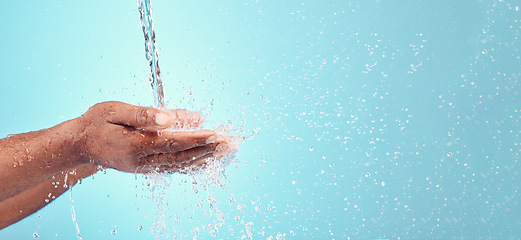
237,218
113,232
383,184
484,51
311,149
367,174
231,198
293,181
35,235
241,207
140,228
449,154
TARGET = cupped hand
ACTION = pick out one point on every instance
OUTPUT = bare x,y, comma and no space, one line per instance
136,139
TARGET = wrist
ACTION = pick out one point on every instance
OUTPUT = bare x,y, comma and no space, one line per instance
67,144
77,141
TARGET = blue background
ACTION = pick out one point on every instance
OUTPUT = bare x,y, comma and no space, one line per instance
368,119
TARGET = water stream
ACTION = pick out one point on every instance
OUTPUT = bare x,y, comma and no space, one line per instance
158,184
147,24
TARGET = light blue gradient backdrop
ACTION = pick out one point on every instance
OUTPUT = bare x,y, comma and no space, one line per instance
368,119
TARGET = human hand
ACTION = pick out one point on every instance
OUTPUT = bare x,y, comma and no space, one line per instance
133,139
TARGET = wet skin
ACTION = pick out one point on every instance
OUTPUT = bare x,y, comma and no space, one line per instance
110,135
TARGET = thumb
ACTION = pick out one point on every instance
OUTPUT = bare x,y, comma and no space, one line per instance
145,118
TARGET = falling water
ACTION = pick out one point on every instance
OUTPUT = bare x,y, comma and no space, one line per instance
78,234
152,56
147,24
213,172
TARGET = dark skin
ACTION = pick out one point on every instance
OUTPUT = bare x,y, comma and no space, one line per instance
36,167
33,199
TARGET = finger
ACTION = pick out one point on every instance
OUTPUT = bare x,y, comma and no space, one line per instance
200,164
184,119
172,142
185,167
145,118
195,164
180,159
221,151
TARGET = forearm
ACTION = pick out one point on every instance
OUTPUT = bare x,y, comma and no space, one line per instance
28,159
33,199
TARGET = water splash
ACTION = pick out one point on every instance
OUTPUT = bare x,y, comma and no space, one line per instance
157,185
214,172
78,234
147,24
